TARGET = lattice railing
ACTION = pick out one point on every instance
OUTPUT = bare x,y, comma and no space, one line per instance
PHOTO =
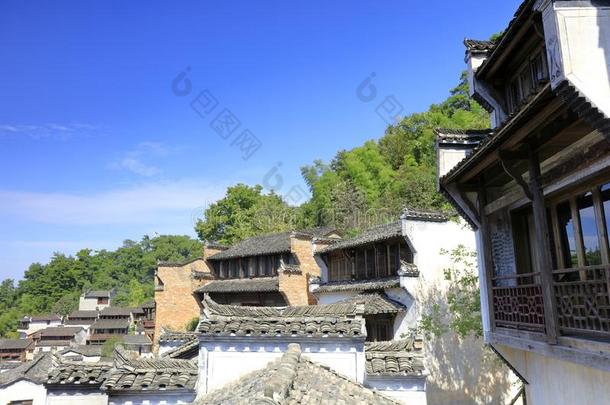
583,302
518,303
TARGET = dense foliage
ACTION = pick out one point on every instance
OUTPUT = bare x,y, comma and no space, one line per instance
56,286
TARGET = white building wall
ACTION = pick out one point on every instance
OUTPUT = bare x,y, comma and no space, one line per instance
223,362
554,381
22,391
406,390
577,36
90,304
76,397
36,326
154,399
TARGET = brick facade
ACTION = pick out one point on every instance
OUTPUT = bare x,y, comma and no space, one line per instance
174,285
294,286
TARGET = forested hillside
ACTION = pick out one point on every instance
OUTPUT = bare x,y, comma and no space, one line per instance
57,285
358,188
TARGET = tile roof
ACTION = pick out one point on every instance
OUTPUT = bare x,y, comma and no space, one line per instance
360,285
56,331
44,318
168,335
116,311
80,374
53,343
471,137
15,344
188,350
273,243
156,374
83,314
520,17
34,371
374,303
98,294
139,340
375,234
110,324
255,284
475,45
85,350
421,215
397,357
293,379
337,320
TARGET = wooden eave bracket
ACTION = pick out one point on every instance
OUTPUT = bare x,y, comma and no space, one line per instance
507,159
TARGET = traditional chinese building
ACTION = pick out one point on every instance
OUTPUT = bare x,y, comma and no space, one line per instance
264,270
535,186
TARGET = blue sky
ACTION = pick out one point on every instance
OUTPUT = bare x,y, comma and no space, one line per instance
97,147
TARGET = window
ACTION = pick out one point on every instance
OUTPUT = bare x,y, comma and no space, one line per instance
379,328
394,258
566,232
360,264
528,79
588,228
370,262
382,261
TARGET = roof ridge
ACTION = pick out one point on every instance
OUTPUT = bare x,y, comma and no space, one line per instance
279,383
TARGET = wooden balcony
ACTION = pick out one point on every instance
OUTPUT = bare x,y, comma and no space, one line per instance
581,295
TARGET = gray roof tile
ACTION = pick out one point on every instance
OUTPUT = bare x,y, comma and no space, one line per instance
372,235
293,379
360,285
396,357
15,344
255,284
337,320
34,371
156,374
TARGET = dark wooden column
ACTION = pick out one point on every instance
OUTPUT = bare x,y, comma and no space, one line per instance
542,254
487,258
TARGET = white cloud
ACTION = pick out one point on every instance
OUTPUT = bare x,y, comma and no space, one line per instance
49,130
136,160
151,204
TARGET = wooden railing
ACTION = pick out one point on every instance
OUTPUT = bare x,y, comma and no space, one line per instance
581,295
583,300
518,302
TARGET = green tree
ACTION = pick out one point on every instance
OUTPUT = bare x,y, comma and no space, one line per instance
462,313
244,211
191,325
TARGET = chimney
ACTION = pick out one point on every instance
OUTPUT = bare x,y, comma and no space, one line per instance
211,248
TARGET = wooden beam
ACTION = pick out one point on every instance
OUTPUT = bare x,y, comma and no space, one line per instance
487,258
543,255
600,220
510,170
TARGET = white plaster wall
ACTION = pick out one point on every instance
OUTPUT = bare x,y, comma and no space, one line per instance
221,363
448,158
409,391
428,238
36,326
77,397
90,304
554,381
583,44
23,390
151,399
